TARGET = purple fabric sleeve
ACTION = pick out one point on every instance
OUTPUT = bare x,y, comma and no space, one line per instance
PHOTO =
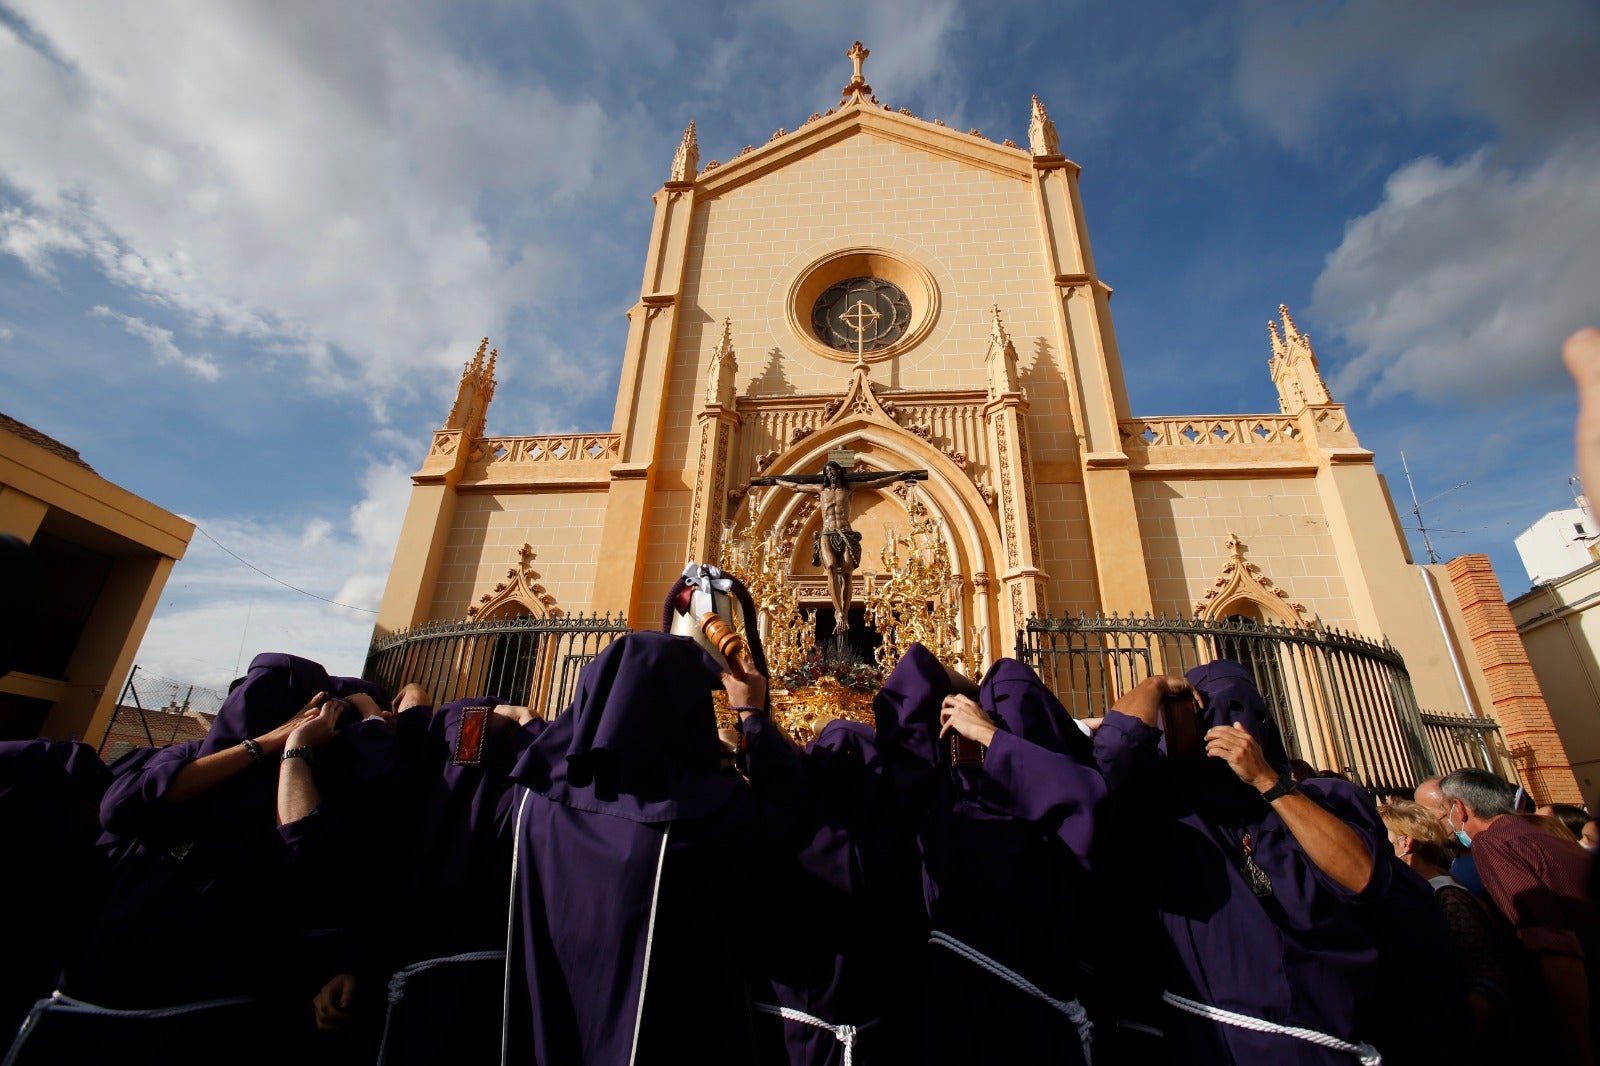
303,836
1354,807
1126,750
777,779
133,804
1027,782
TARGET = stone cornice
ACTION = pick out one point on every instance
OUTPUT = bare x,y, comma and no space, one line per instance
879,121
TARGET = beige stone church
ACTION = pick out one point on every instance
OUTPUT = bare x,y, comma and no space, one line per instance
953,322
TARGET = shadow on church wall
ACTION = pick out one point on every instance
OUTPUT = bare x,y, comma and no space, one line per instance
771,381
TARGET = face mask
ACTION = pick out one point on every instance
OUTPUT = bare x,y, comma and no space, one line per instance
1461,834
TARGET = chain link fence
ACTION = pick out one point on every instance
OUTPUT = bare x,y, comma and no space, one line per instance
156,711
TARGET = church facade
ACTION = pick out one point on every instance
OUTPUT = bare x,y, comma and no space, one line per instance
957,324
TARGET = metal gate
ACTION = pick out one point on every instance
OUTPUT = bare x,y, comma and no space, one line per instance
1342,702
529,661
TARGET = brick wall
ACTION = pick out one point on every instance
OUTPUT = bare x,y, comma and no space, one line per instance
1514,692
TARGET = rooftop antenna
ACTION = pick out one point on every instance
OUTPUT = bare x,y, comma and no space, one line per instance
1416,510
1578,496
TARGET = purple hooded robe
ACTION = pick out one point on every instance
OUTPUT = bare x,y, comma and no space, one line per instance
858,884
49,794
1305,956
212,900
635,860
1007,850
449,931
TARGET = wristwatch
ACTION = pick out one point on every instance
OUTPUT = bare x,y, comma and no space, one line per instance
1283,786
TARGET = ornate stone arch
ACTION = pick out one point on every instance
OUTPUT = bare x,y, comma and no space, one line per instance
521,593
1241,583
949,494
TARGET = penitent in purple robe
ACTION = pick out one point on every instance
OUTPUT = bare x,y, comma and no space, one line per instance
635,859
212,899
49,792
1307,955
857,884
449,931
1007,851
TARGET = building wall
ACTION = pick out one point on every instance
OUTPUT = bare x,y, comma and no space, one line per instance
1558,544
1064,543
489,529
1560,626
1185,525
974,230
47,492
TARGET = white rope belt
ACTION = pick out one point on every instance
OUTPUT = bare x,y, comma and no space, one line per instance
61,1003
1069,1007
397,986
1366,1053
845,1034
397,983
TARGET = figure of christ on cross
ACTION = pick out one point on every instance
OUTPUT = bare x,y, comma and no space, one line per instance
838,546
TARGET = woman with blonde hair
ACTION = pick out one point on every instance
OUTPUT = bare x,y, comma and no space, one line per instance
1418,839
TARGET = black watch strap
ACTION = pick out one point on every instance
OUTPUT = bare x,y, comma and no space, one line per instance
1283,787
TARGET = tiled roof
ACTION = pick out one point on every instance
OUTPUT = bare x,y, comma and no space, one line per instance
50,444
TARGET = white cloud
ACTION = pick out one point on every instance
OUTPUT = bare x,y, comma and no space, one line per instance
309,180
217,612
161,343
1465,279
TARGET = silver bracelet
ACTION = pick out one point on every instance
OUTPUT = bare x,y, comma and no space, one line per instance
297,753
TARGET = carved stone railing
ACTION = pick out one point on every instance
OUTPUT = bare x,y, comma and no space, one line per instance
560,448
1227,431
953,426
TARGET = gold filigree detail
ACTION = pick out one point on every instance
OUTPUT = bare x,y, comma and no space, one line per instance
804,713
917,600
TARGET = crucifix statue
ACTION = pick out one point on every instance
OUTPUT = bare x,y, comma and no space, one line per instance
837,548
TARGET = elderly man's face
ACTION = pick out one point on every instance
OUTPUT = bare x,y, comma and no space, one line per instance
1431,798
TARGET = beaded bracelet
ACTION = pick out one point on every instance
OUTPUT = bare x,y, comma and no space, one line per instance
746,707
297,753
256,754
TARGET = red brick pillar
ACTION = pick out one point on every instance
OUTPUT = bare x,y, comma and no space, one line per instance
1514,694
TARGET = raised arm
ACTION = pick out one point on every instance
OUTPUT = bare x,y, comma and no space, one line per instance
802,487
1335,848
207,772
876,481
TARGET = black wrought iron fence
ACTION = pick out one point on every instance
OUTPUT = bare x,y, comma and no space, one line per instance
1459,742
1343,702
529,661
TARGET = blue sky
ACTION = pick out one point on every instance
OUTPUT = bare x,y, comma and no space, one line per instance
245,248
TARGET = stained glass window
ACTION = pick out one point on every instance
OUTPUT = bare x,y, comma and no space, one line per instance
877,307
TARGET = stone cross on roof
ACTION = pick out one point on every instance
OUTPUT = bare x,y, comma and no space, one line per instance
858,89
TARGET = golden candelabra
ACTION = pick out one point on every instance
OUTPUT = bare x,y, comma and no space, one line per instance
762,563
917,600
